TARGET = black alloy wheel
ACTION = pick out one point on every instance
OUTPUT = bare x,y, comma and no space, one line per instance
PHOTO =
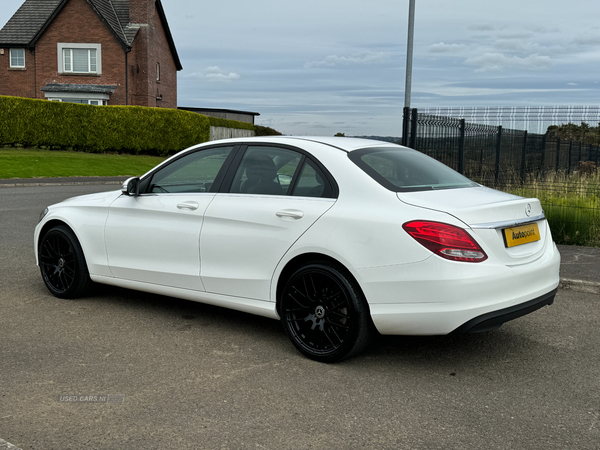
62,263
324,313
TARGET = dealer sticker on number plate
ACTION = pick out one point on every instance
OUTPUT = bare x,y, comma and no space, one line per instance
521,235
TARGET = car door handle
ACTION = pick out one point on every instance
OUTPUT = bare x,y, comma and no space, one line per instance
290,214
191,206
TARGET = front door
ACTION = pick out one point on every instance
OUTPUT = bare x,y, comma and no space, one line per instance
155,237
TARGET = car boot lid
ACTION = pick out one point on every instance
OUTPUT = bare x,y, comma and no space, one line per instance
478,207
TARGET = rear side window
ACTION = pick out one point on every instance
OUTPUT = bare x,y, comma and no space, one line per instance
312,183
266,171
406,170
272,170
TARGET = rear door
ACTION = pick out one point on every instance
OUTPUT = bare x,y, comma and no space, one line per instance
274,195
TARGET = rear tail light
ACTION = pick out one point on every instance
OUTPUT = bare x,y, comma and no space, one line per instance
445,240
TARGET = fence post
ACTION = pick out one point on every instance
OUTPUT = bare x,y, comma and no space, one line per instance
498,146
543,163
405,125
570,153
413,129
557,154
524,158
461,148
481,163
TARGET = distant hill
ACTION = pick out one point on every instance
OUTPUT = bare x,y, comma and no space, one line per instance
395,140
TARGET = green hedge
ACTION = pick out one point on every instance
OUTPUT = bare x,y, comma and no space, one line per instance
218,122
265,131
125,129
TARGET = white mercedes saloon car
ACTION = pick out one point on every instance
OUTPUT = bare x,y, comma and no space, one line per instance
338,238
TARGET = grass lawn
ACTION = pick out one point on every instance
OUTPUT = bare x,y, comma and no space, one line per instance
34,163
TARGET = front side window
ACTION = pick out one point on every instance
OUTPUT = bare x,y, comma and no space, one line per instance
406,170
195,172
17,58
79,58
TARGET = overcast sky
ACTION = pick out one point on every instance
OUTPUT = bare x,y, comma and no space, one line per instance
326,66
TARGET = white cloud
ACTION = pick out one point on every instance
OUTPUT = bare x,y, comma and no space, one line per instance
444,48
492,62
214,73
484,26
360,58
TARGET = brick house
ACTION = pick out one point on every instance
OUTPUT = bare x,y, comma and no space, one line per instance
101,52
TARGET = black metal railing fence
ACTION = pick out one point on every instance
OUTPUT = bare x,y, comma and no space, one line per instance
562,173
477,149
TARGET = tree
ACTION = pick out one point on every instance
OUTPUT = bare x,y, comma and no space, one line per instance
580,133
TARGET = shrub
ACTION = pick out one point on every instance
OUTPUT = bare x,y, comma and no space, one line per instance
218,122
265,131
587,167
95,129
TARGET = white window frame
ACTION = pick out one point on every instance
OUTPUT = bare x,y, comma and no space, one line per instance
92,98
62,46
16,66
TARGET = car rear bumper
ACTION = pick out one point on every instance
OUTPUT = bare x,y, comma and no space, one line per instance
495,319
438,297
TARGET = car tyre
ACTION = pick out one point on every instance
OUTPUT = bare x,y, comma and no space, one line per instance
62,263
324,313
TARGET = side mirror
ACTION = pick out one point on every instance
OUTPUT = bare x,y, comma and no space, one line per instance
131,187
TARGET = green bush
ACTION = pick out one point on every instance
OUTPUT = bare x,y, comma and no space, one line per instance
265,131
218,122
125,129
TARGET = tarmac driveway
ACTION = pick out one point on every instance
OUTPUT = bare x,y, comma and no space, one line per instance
123,369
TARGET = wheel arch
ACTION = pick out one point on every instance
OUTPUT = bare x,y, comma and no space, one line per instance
307,258
47,227
54,223
62,262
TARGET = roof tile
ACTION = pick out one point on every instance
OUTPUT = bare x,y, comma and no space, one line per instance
29,19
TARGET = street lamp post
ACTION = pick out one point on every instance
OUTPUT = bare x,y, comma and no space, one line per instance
409,53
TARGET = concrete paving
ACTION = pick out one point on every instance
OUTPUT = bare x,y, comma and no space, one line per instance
580,268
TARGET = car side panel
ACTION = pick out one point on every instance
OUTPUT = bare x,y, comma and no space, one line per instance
155,238
86,216
245,236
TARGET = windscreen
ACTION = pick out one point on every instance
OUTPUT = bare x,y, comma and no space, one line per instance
406,170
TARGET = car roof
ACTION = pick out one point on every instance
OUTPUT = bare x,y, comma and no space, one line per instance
346,144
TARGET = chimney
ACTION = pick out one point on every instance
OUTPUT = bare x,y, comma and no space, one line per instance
138,11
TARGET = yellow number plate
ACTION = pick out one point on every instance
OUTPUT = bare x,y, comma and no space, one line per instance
521,235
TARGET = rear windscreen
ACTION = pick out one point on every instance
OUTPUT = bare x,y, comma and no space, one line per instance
406,170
